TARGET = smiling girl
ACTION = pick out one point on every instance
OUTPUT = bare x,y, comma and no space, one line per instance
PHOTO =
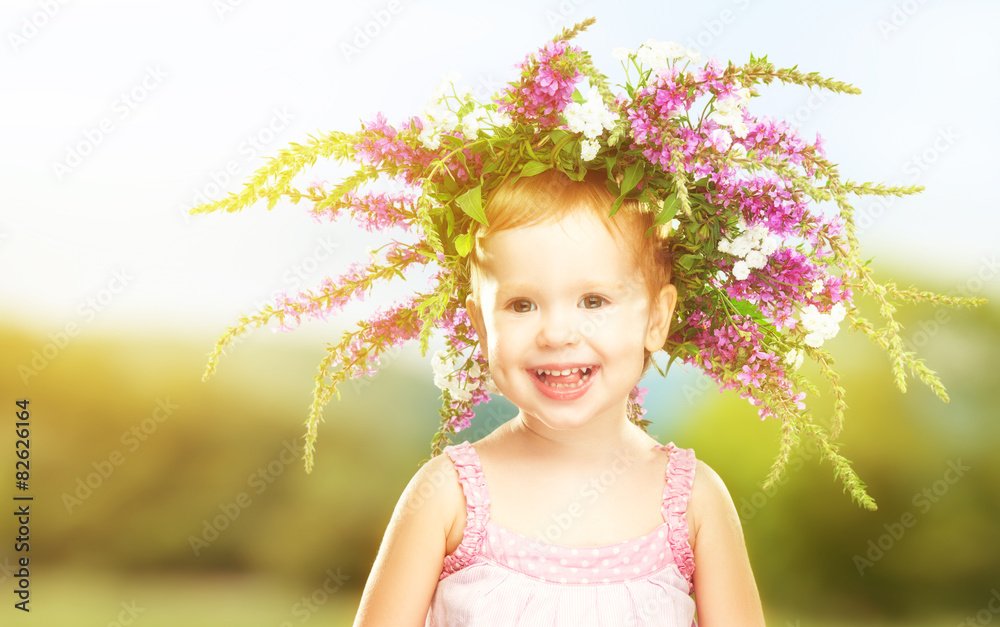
551,218
568,305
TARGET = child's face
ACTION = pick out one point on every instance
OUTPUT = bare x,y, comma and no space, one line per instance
561,297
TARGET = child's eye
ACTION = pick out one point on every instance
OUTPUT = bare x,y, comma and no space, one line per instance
592,302
522,305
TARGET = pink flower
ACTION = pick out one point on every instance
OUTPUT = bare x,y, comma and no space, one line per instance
546,86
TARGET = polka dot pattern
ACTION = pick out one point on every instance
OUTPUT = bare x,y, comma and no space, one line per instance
485,541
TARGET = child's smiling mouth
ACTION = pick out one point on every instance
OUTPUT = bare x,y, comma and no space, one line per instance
563,382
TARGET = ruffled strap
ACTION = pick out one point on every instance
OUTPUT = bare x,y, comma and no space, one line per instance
477,506
676,494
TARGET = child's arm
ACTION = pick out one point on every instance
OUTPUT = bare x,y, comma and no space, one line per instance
409,562
725,593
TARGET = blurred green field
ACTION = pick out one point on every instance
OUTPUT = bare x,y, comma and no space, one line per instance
141,534
236,601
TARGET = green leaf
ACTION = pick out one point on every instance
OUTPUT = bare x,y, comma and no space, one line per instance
578,97
687,261
617,205
471,203
526,147
670,206
633,174
463,244
609,165
466,108
746,308
532,168
569,148
492,165
449,223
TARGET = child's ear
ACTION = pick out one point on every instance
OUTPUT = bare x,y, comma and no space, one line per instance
476,318
661,312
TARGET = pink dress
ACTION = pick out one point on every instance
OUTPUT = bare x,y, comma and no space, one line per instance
497,577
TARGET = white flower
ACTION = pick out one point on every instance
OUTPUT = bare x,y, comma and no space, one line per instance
742,245
588,149
440,363
720,139
838,312
794,358
621,53
810,314
756,259
674,225
436,119
768,245
817,286
648,56
757,233
429,137
501,119
741,270
447,84
446,377
474,120
590,118
729,111
659,55
821,327
814,339
754,246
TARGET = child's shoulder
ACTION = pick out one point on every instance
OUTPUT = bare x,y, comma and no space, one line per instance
708,487
437,482
437,491
710,502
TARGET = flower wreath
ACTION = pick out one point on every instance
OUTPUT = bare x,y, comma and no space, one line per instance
764,276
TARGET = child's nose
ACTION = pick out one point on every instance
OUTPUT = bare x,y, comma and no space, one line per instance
558,328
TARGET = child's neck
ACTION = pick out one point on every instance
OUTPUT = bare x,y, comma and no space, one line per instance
593,442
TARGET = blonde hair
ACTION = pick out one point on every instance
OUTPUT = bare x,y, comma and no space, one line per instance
550,197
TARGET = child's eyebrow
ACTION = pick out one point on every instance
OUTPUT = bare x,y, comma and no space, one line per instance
505,289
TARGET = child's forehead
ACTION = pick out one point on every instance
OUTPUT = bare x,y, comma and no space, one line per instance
583,226
573,252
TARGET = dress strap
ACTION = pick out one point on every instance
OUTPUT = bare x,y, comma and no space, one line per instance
477,506
676,494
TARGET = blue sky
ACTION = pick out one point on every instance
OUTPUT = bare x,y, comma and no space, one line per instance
118,115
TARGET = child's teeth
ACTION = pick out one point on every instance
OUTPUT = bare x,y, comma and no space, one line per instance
583,371
584,377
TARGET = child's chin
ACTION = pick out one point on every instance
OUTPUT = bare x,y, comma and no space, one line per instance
566,422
